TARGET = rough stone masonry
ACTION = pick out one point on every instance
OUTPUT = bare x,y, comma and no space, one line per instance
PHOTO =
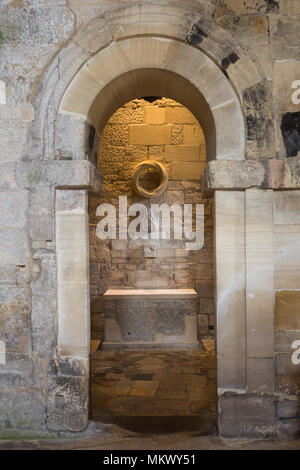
65,68
126,141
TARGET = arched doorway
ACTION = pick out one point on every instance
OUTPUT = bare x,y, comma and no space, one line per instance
113,76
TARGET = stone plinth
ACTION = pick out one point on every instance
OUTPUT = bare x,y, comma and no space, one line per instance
150,319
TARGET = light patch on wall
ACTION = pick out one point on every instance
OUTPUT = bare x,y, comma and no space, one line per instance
2,92
2,352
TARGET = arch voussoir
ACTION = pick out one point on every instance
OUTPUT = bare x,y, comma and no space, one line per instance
168,55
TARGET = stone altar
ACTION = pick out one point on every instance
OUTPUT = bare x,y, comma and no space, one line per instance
150,319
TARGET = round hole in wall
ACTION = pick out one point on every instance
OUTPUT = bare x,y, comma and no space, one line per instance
149,179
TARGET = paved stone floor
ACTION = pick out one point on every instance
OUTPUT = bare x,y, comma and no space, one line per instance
151,400
159,386
112,437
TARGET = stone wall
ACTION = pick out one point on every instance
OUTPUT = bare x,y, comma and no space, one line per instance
255,50
287,308
268,370
165,131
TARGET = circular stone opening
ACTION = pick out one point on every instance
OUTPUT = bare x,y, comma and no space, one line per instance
150,179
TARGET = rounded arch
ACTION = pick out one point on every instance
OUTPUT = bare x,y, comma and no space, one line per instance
159,66
179,38
153,82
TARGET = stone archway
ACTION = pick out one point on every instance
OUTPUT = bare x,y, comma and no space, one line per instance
52,160
118,73
181,44
137,66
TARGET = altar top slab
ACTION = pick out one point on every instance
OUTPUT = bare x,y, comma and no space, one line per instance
148,294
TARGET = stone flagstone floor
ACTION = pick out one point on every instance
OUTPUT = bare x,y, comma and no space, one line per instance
161,384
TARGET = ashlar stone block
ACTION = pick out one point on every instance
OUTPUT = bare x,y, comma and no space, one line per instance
149,135
287,308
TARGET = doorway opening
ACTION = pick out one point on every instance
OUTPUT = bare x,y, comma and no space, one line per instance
136,384
133,67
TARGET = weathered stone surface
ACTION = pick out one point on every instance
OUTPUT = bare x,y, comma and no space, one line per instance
289,428
150,320
153,115
12,141
288,409
205,288
149,135
43,322
286,384
292,173
206,305
289,7
13,208
260,375
284,341
67,411
247,415
73,302
179,115
259,121
59,174
40,57
21,410
40,213
67,404
15,328
284,34
233,175
285,366
253,28
286,207
144,388
287,307
252,6
230,289
72,138
259,286
190,171
265,174
7,176
15,247
202,321
287,272
87,39
285,76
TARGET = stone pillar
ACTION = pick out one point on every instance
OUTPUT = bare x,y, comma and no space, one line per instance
68,378
230,289
259,291
73,299
245,312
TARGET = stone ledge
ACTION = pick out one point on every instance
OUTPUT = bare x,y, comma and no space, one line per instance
150,345
80,174
264,174
149,294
